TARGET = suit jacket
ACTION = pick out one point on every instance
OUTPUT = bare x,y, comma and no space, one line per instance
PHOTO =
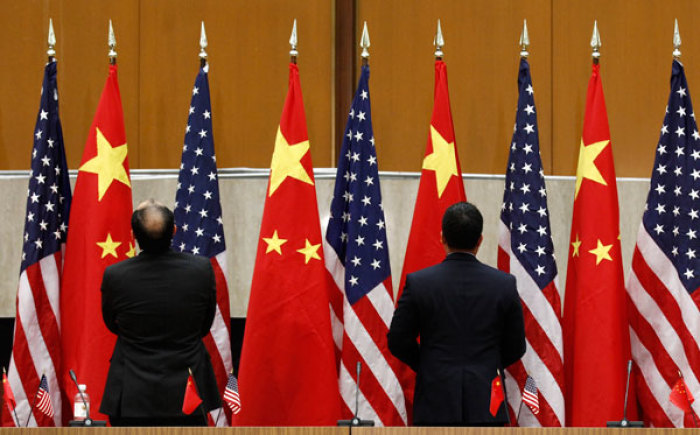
470,322
159,306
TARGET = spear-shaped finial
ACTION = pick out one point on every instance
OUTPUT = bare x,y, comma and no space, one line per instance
524,41
293,43
438,41
112,42
595,42
676,41
203,44
364,43
52,42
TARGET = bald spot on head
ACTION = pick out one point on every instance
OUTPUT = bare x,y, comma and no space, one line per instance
152,218
153,226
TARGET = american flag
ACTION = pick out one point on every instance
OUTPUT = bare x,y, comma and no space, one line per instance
200,228
43,398
525,250
36,346
530,397
231,396
662,286
356,255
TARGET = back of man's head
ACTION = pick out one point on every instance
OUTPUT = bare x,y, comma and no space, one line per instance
153,225
462,225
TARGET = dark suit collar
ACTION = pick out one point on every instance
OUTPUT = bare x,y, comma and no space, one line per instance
461,256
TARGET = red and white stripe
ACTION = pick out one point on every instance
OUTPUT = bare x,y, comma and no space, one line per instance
36,348
218,341
543,359
359,332
664,333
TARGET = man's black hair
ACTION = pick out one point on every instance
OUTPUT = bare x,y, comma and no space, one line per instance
153,226
462,225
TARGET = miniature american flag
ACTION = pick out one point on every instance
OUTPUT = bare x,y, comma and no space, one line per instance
43,398
530,397
231,396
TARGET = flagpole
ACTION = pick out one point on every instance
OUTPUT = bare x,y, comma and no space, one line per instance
595,43
293,53
112,43
438,42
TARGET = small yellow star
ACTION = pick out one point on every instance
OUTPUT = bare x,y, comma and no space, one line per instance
586,164
310,251
274,243
132,251
286,162
576,244
442,160
109,246
108,164
601,252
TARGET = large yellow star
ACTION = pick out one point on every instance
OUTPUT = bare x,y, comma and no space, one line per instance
310,251
601,252
274,243
576,244
108,164
442,160
286,162
586,164
109,246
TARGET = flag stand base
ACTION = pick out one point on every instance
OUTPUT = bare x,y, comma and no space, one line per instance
88,422
355,422
625,423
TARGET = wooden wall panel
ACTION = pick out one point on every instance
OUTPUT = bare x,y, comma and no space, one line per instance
481,52
249,56
81,31
635,69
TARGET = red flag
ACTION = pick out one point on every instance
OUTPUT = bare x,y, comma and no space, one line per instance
681,396
440,184
99,234
8,399
288,372
595,315
192,399
496,395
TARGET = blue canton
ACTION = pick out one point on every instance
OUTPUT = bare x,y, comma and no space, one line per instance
49,195
357,229
673,203
200,229
524,210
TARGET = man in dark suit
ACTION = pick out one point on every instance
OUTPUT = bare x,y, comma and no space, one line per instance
470,323
159,304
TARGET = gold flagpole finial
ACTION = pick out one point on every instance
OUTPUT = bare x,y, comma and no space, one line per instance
676,41
51,52
112,42
293,53
438,41
595,42
524,41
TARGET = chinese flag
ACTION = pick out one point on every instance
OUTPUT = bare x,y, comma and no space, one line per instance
496,395
8,399
99,234
287,372
192,399
681,397
595,317
440,184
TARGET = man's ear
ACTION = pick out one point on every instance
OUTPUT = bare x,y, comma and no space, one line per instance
478,244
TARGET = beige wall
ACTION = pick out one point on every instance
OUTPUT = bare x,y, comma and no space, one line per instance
242,194
158,47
